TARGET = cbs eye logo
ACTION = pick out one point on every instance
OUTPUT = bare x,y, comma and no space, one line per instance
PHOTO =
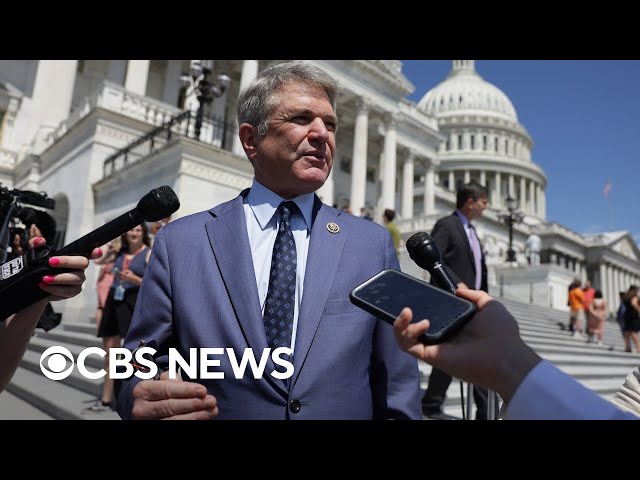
54,358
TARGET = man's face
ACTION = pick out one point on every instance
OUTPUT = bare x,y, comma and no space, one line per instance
476,207
296,154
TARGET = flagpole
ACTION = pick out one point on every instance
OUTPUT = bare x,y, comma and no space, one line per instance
607,191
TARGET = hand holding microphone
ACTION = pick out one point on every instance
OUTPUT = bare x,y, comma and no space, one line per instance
19,277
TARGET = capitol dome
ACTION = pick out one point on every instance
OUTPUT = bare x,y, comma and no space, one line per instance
464,92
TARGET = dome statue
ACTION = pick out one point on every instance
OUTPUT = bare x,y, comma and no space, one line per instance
533,247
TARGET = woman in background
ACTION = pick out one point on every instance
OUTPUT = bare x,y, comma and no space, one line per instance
128,270
105,277
597,314
631,319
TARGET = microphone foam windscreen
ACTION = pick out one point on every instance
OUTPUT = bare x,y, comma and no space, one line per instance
416,239
158,203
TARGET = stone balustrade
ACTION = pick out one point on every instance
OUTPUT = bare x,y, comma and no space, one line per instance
7,159
116,98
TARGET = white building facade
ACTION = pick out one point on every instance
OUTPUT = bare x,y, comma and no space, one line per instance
96,135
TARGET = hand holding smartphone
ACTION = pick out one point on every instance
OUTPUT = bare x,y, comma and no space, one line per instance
388,292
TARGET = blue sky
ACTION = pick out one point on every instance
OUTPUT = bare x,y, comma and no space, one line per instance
584,119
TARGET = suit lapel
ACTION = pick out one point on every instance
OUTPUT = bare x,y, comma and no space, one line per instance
325,250
230,242
229,239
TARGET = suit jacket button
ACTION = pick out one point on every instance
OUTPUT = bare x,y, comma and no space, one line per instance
294,406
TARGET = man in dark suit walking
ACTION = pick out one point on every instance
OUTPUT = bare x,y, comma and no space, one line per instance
462,254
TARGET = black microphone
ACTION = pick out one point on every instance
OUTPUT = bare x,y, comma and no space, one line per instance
425,252
19,277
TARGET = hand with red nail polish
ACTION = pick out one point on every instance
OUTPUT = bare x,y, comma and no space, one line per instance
67,284
37,242
18,328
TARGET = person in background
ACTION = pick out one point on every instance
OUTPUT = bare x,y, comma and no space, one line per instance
588,296
129,267
462,253
576,308
153,231
631,319
620,312
105,276
365,214
596,317
387,218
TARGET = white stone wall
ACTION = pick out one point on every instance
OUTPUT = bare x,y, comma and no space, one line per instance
544,285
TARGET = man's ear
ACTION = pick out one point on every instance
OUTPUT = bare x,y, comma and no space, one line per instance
248,138
468,202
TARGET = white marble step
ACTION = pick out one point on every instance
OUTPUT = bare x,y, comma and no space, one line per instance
14,408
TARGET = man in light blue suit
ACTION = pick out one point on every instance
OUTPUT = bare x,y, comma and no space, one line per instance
273,268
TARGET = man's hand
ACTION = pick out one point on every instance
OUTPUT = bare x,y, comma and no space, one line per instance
487,351
172,400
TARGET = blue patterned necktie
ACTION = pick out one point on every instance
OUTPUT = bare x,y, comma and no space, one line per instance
280,302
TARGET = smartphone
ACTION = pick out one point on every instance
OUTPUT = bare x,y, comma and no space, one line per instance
387,293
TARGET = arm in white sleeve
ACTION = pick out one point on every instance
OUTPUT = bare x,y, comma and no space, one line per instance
547,393
628,396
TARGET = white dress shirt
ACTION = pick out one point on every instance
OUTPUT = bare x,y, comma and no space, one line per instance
262,226
547,393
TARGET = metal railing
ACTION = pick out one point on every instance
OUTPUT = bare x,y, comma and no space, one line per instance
214,131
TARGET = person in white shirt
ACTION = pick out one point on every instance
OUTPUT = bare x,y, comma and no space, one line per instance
489,351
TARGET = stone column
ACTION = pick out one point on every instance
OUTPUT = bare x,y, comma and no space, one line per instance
249,72
379,209
497,191
389,175
483,178
610,287
512,188
171,86
359,158
467,176
137,75
325,192
407,186
429,188
532,200
117,71
452,181
602,276
51,98
543,204
616,284
523,194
